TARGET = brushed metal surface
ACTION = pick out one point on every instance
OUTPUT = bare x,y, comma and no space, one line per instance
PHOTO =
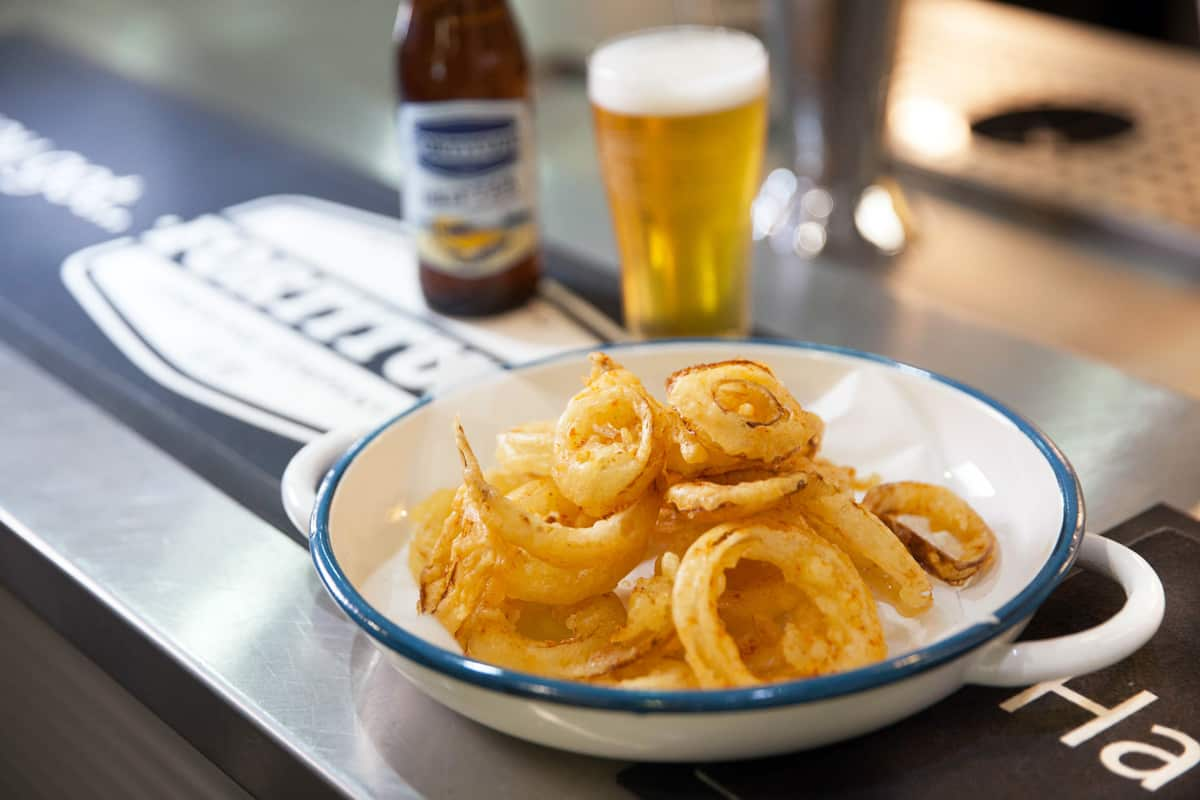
958,59
240,607
54,701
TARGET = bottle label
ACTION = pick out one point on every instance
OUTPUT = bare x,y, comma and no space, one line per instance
469,183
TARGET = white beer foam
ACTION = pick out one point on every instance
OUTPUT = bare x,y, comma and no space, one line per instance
676,71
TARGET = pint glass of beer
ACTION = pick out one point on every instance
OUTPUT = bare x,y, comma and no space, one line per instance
680,117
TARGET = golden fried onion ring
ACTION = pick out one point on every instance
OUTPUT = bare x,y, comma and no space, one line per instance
603,635
746,497
621,537
492,636
542,496
850,632
533,580
743,409
427,518
688,456
654,673
945,511
524,577
883,561
608,447
527,449
758,607
464,572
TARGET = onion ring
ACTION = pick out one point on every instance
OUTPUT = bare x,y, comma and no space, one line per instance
621,537
492,636
688,455
541,496
851,632
743,409
427,519
746,497
435,572
527,449
607,444
533,580
453,588
945,511
653,673
881,559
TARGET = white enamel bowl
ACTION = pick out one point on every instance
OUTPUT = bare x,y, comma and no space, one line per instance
900,421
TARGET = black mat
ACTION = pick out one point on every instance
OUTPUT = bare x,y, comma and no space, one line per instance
969,746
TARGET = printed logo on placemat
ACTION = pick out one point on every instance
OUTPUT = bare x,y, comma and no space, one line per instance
1157,766
32,166
296,315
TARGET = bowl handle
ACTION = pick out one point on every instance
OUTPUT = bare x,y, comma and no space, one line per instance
304,472
1025,663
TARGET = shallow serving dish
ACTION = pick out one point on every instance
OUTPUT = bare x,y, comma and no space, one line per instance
900,421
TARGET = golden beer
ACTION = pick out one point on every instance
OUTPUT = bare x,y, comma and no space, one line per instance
680,117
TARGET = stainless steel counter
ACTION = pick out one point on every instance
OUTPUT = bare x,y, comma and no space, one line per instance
238,610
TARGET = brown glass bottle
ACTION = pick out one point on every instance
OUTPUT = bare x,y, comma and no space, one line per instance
467,143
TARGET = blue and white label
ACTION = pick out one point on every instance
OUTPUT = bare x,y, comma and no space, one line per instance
462,147
469,183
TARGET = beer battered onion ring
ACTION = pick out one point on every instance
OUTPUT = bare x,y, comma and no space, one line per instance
523,576
743,410
621,537
604,635
461,575
885,564
945,511
608,447
427,519
527,449
658,673
851,632
491,635
533,580
687,456
746,497
765,564
541,496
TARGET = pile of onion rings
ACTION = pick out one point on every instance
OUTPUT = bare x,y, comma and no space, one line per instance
693,543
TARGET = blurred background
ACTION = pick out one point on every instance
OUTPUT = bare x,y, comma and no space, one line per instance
1047,148
268,59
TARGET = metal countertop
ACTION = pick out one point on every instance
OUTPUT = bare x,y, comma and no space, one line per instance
243,614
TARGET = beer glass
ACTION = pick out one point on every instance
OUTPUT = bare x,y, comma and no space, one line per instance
680,116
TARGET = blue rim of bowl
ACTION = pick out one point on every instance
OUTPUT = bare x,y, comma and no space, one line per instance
522,684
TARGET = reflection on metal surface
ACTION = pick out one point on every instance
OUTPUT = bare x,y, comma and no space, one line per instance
969,61
809,238
878,220
794,216
773,202
930,127
831,64
817,203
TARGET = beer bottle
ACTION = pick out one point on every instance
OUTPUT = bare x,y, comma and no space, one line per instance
466,137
